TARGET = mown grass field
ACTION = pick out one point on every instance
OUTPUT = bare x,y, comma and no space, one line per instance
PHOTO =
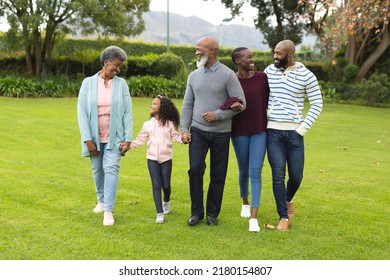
47,195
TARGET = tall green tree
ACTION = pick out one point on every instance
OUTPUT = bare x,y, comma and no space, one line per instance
276,19
40,22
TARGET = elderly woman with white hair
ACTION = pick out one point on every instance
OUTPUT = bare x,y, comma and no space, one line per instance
106,126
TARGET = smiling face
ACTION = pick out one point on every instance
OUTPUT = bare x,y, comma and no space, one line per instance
206,50
280,58
284,54
112,68
202,55
155,108
245,61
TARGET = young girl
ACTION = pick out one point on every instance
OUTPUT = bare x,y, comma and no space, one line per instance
161,129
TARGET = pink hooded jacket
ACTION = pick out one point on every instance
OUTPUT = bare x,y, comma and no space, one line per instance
159,145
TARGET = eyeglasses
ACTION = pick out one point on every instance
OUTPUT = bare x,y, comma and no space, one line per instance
160,96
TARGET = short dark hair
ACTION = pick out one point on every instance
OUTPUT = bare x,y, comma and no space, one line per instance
236,53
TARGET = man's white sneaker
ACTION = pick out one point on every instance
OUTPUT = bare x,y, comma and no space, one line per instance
245,211
160,218
166,208
108,219
99,207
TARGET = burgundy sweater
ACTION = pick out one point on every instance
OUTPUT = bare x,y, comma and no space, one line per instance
254,118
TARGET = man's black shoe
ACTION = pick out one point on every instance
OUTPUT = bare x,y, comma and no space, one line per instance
193,220
212,221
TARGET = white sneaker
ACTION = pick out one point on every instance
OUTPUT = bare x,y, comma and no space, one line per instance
245,211
99,207
166,208
108,219
160,218
253,225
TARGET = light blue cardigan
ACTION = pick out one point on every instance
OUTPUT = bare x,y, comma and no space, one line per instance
121,118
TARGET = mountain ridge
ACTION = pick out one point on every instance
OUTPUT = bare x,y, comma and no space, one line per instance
187,30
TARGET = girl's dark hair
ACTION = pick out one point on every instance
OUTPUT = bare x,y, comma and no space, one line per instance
236,53
168,112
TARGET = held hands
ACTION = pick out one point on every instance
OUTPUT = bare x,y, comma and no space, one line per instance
209,116
92,148
124,147
237,107
186,137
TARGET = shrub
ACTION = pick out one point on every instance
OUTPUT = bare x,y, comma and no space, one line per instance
375,90
318,70
21,87
149,86
335,69
140,65
350,72
329,92
228,62
17,87
168,65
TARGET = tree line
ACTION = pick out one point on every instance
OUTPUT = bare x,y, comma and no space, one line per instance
358,30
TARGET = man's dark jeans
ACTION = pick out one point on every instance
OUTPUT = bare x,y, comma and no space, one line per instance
201,143
285,147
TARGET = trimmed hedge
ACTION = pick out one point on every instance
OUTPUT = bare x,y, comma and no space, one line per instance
146,86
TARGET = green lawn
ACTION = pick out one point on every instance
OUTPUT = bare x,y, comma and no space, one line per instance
47,195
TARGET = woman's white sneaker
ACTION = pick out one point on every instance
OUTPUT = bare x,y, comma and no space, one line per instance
253,225
245,211
108,219
99,207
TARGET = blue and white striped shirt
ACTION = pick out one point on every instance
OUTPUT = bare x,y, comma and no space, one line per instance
288,90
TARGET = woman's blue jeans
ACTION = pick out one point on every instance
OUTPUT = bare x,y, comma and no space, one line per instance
250,153
201,143
285,147
105,169
160,174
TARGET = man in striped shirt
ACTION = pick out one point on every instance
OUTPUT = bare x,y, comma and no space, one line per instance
290,83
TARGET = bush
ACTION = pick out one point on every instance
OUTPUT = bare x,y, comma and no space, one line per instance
21,87
350,72
335,69
228,62
148,86
329,92
168,65
318,70
375,90
141,65
17,87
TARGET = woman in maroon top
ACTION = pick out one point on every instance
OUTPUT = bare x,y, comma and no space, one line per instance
249,133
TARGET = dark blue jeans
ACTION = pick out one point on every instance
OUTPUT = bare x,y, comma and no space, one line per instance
285,147
160,174
201,143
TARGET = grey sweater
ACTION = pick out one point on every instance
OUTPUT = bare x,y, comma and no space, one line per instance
208,89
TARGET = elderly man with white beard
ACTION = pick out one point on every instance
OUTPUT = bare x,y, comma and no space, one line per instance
213,96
